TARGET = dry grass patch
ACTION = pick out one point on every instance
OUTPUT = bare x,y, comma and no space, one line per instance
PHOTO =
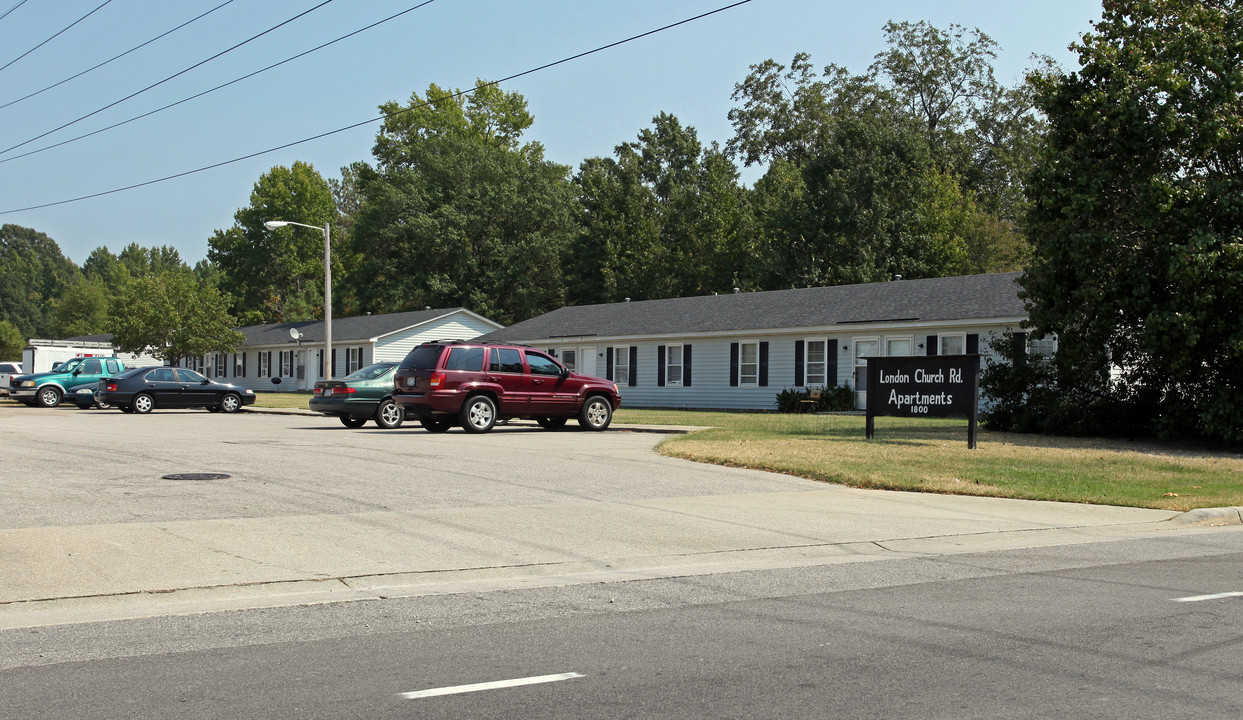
932,456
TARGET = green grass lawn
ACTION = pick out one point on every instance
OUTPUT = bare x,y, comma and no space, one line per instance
932,456
283,399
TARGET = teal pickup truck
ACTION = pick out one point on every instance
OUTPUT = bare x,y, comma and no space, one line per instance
48,388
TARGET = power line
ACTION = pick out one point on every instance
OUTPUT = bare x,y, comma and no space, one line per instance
45,42
218,87
356,125
170,77
6,12
117,57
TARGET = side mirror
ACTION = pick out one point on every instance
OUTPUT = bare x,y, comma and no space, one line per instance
205,381
77,371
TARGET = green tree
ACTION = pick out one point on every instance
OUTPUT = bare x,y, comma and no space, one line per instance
458,211
666,218
83,309
33,273
172,315
1137,221
12,342
277,275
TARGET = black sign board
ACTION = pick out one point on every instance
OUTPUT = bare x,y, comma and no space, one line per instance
924,386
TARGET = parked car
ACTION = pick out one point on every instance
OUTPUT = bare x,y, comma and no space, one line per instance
143,389
7,371
48,388
86,396
365,394
474,384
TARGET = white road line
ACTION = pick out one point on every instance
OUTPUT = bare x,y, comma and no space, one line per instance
1218,596
457,689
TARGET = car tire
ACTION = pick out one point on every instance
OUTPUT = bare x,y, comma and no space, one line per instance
551,423
596,413
143,403
478,414
352,422
436,426
103,405
49,396
230,403
389,415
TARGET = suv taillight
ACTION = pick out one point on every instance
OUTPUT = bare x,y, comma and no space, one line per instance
437,380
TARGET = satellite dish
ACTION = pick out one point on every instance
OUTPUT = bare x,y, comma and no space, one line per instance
293,333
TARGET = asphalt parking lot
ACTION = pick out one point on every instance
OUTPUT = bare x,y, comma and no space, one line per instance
314,512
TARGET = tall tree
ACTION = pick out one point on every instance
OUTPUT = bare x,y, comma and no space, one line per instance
33,273
1137,224
277,275
172,315
459,211
665,218
12,342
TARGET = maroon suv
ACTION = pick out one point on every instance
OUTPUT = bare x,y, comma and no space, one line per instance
474,384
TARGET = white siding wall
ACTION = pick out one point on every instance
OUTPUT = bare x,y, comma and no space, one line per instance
710,365
458,326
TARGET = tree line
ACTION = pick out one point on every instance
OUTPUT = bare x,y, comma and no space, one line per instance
1115,188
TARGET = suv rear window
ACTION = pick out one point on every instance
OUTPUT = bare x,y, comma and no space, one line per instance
465,358
423,357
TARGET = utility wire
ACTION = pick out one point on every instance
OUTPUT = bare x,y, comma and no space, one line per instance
6,12
117,57
218,87
170,77
45,42
377,119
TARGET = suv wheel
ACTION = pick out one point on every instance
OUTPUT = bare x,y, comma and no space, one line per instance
49,396
596,414
478,414
389,415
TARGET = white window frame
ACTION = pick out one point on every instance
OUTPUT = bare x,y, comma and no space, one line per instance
621,364
571,364
671,366
239,364
961,337
1042,349
823,372
751,377
910,340
222,365
353,359
265,369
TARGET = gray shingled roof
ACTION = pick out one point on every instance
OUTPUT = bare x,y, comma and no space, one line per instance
344,330
969,297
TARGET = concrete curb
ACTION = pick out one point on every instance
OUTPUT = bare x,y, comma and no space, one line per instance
1209,517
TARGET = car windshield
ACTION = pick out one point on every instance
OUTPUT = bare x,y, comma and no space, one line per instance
423,357
371,372
69,365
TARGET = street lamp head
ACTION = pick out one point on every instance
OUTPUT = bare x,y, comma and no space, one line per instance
273,224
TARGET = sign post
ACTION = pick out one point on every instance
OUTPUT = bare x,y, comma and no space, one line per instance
918,387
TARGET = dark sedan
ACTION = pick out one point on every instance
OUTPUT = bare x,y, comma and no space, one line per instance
143,389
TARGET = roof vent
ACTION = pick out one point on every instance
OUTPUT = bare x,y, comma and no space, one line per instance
737,290
897,278
627,299
427,307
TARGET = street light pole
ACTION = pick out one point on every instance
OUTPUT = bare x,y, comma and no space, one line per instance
272,225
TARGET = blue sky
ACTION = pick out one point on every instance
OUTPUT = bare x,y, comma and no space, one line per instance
582,109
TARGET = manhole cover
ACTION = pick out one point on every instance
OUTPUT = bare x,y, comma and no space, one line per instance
196,476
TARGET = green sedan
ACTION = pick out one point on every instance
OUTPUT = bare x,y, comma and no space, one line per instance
365,394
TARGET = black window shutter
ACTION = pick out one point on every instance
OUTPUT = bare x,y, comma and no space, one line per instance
552,351
320,354
686,365
660,365
634,365
243,364
830,362
932,345
608,363
332,363
798,363
763,364
973,344
733,364
1020,344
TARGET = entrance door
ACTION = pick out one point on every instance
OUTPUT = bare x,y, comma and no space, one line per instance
587,361
864,349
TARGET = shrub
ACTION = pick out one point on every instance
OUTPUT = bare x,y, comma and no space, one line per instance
831,399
